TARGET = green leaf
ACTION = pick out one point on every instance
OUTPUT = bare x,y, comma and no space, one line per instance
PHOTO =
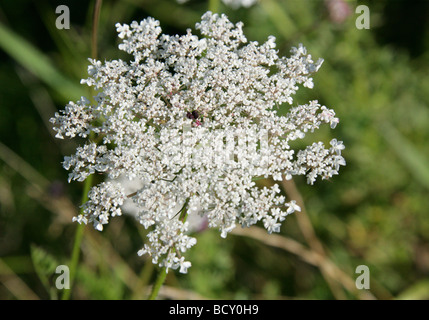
37,63
101,284
44,265
281,19
417,291
417,165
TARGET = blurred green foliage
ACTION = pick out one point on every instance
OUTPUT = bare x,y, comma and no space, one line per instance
374,213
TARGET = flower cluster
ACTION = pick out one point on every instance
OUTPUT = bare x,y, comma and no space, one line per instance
193,120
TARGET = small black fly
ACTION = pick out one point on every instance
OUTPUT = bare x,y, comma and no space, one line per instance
192,115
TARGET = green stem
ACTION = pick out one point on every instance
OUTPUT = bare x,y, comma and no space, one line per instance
88,182
77,240
214,6
95,20
158,283
184,212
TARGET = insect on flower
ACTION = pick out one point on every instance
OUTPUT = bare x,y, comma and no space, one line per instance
192,115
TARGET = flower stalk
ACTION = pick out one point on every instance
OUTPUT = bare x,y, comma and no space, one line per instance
77,241
158,283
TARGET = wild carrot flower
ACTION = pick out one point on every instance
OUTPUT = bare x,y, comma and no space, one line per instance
193,120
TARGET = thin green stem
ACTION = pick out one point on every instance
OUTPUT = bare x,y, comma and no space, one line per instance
158,283
77,241
88,182
95,20
214,6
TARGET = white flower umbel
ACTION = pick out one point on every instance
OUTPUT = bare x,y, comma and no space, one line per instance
195,120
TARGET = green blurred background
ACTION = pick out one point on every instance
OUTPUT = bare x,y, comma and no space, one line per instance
374,213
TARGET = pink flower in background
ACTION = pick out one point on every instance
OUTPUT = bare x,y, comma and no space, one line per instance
339,10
